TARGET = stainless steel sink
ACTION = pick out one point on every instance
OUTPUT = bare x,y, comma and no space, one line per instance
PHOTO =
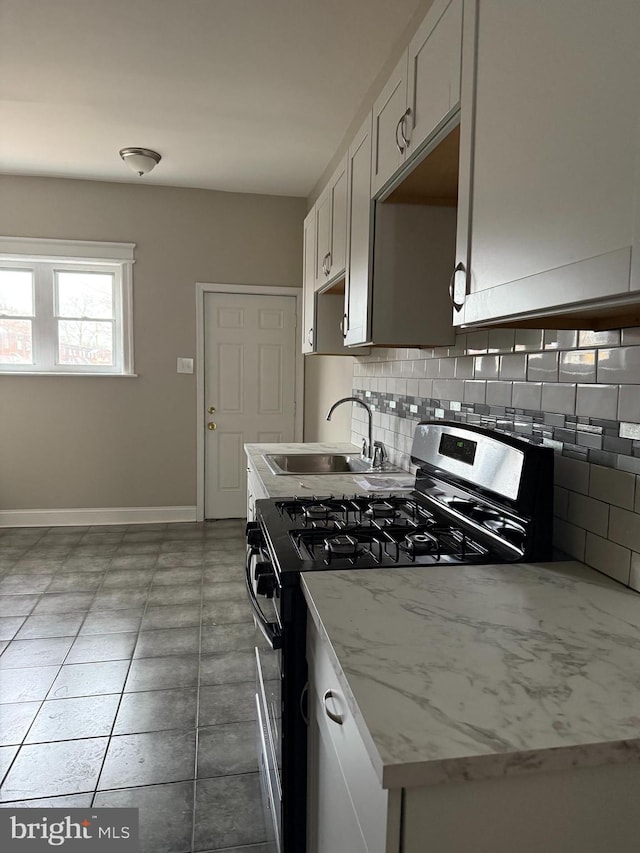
321,463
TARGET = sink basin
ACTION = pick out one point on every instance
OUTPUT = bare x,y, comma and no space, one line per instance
320,463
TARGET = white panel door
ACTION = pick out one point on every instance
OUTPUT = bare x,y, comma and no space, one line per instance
249,389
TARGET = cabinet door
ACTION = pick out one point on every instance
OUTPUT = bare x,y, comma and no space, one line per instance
434,70
338,251
308,285
555,156
389,149
357,295
332,821
322,238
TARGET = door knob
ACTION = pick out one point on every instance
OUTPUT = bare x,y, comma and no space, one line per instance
211,409
211,425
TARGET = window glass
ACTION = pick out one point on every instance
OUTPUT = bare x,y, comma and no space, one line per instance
16,293
84,294
85,342
16,341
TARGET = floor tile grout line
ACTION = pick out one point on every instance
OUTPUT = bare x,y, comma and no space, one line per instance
75,637
124,684
195,765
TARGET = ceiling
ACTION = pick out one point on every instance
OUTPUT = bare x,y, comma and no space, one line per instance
236,95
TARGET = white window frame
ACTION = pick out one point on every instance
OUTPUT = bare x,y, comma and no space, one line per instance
45,257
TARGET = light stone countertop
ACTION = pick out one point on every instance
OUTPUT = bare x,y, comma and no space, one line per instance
306,485
475,672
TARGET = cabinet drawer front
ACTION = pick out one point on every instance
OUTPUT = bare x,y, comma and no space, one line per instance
370,800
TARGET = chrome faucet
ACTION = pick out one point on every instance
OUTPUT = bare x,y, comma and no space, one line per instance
374,452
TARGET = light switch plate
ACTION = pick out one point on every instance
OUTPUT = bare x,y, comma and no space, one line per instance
185,365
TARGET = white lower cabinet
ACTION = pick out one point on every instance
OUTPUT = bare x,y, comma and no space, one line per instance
255,491
344,794
585,810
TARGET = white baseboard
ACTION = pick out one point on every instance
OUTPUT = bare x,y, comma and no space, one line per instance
99,515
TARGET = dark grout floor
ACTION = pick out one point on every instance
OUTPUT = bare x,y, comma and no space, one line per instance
127,679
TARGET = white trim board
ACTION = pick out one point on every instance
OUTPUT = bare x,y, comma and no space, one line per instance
259,290
49,248
97,515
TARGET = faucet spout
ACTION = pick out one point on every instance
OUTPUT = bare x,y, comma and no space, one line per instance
367,451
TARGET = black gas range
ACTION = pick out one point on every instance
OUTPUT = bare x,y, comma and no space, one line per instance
480,497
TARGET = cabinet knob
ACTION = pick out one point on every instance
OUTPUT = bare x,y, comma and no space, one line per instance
457,305
211,409
211,425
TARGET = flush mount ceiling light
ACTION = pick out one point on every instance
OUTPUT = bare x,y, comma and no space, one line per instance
141,160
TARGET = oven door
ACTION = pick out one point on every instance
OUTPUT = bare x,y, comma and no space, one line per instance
268,695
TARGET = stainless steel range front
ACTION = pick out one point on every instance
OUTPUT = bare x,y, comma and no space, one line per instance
480,496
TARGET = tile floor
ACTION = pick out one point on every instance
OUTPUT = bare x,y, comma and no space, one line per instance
126,679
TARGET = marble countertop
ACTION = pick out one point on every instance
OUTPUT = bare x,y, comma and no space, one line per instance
475,672
279,486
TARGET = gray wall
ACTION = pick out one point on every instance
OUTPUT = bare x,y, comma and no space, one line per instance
327,378
71,442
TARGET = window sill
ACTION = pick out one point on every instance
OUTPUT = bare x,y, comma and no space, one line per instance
61,373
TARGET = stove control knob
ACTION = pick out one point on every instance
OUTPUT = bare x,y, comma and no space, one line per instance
265,579
254,535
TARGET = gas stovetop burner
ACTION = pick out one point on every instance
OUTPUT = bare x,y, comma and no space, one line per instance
420,543
342,545
317,512
381,509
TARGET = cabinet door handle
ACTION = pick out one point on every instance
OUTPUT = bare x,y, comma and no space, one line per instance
345,325
403,122
398,146
310,337
457,305
337,718
326,263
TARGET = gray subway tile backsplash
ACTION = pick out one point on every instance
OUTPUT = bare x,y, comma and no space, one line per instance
597,401
577,366
629,403
513,366
542,367
577,392
620,365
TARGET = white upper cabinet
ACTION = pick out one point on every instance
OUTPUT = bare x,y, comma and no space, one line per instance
322,313
357,298
331,229
434,71
550,159
421,94
389,121
308,286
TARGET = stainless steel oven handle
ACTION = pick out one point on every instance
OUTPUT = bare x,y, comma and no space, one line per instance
304,698
270,630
